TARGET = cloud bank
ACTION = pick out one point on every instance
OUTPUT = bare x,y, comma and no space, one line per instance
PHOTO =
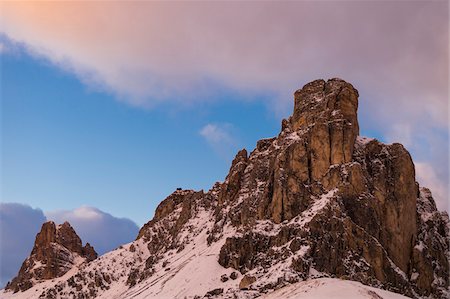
102,230
20,223
394,52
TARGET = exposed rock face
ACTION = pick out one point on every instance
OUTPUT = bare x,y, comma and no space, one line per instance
368,228
317,200
430,260
328,111
391,182
230,190
372,218
55,251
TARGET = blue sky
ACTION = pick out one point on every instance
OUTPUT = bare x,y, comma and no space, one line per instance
65,145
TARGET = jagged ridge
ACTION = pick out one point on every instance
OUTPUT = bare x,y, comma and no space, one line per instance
315,201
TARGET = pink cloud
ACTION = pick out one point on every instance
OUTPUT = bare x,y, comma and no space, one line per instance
152,51
394,52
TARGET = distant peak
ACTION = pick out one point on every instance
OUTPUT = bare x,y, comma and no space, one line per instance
55,260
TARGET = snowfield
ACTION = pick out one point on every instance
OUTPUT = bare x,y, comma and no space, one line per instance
320,288
326,288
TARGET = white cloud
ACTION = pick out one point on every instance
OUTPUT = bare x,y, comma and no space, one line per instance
217,134
427,177
221,138
400,132
178,51
84,212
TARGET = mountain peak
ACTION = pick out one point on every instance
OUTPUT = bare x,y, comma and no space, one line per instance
321,100
325,118
57,248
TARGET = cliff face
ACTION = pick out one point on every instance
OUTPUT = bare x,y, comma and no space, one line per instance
316,201
369,230
56,250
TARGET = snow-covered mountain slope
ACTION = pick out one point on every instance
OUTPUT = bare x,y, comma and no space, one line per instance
191,272
315,202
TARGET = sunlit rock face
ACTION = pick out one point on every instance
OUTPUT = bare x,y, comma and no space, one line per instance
318,200
328,111
372,220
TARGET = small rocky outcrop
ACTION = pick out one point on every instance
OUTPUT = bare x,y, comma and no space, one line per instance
214,293
246,281
56,250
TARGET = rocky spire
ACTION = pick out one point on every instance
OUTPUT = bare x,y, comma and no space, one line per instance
328,110
55,252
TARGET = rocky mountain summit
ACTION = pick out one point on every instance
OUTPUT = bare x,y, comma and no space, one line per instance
56,250
317,201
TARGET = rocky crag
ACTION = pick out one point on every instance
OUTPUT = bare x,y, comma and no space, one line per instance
316,201
56,250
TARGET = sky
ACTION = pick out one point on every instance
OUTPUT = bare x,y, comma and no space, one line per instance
108,107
